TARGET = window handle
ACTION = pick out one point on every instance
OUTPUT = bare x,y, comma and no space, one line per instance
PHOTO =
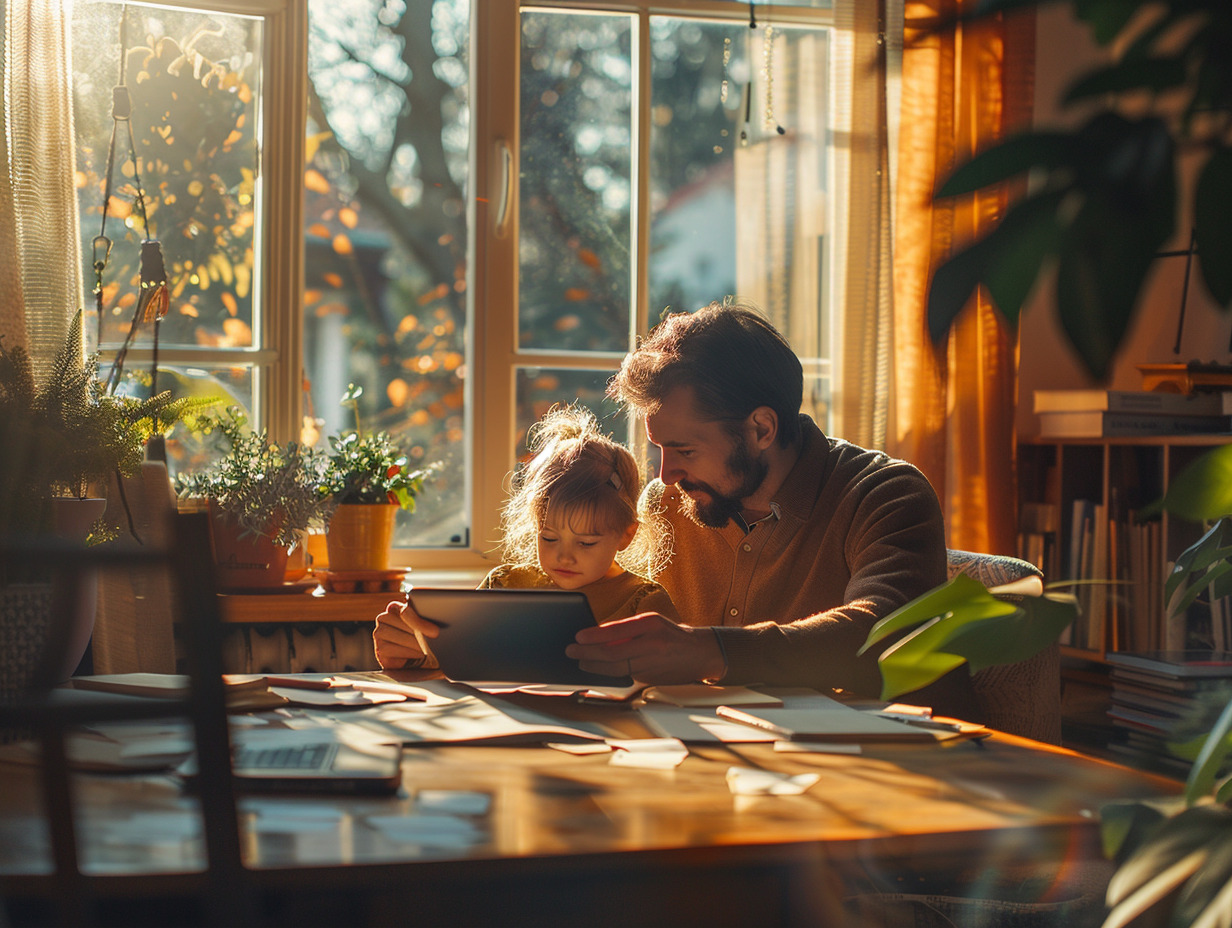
504,159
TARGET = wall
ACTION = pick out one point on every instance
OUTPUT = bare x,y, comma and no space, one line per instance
1047,362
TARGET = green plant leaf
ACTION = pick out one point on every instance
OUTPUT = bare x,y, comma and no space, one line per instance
1007,638
938,601
1213,226
1153,74
1009,158
1107,18
1202,491
1019,246
1201,781
961,622
1184,863
952,285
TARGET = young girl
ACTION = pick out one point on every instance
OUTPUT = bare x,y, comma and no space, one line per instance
571,523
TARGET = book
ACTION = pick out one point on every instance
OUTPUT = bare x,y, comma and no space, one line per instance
1139,401
830,720
1099,424
1175,663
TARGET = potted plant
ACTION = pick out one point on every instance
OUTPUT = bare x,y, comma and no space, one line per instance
65,440
66,437
262,496
368,478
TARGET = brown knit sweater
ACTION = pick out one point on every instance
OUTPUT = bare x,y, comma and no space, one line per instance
857,534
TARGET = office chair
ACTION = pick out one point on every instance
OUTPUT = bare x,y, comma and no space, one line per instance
226,894
1024,698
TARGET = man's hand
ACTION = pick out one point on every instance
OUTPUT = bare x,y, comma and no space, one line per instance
399,636
651,648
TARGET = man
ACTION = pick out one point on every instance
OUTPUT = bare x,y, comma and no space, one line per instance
788,545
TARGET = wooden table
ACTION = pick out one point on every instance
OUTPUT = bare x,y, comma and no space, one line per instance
575,840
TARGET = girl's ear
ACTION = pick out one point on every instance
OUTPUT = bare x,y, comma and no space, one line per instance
626,539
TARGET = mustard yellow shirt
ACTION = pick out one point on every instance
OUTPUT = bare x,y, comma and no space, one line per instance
610,598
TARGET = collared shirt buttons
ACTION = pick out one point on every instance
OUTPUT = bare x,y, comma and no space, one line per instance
734,611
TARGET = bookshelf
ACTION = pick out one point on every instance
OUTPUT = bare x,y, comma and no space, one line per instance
1079,500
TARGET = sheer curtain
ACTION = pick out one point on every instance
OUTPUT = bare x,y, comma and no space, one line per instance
40,254
947,408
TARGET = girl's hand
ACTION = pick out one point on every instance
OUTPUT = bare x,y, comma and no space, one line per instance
399,636
650,648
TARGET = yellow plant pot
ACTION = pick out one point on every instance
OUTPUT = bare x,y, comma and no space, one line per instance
360,536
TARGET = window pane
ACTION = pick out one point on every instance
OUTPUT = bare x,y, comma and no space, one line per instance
575,194
738,169
229,386
541,388
194,80
385,246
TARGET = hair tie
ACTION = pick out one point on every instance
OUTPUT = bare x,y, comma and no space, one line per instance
615,481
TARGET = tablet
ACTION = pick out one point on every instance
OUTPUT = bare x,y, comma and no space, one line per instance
508,636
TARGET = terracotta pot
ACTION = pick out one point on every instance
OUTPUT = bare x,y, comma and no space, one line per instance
360,536
244,563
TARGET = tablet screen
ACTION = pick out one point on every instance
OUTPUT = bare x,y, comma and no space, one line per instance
508,636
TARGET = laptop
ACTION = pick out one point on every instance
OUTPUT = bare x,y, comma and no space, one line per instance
299,765
321,766
508,636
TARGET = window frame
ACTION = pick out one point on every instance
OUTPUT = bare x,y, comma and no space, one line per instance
284,74
492,224
495,172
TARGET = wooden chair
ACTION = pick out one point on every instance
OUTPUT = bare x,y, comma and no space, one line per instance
1023,698
226,893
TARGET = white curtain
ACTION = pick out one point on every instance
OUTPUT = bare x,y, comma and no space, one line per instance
40,250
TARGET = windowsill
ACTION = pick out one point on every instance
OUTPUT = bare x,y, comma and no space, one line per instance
461,577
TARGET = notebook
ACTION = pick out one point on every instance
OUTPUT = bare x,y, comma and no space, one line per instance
508,636
827,720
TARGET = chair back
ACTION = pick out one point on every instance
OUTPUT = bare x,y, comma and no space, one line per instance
226,890
1024,698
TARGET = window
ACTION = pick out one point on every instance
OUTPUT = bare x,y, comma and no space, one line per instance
474,214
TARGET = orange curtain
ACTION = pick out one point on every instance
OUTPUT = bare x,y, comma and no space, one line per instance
952,404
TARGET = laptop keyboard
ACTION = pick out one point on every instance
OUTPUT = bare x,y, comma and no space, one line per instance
300,757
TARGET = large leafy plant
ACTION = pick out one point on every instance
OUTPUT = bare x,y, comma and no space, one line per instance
1104,197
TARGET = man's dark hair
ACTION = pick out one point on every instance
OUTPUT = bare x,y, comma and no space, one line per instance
731,356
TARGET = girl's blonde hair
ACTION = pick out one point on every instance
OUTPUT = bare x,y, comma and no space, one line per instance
581,478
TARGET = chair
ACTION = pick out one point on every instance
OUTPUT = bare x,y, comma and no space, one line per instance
1024,698
226,890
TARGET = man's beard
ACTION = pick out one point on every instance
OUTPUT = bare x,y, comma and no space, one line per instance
723,506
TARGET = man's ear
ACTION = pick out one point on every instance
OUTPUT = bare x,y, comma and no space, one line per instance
763,423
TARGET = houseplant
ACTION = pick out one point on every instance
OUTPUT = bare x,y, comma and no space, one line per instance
262,496
1104,198
66,437
64,442
1106,195
367,478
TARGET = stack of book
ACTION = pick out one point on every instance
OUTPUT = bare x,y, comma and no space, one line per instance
1163,698
1128,413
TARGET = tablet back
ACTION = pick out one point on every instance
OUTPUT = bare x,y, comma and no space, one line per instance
508,636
